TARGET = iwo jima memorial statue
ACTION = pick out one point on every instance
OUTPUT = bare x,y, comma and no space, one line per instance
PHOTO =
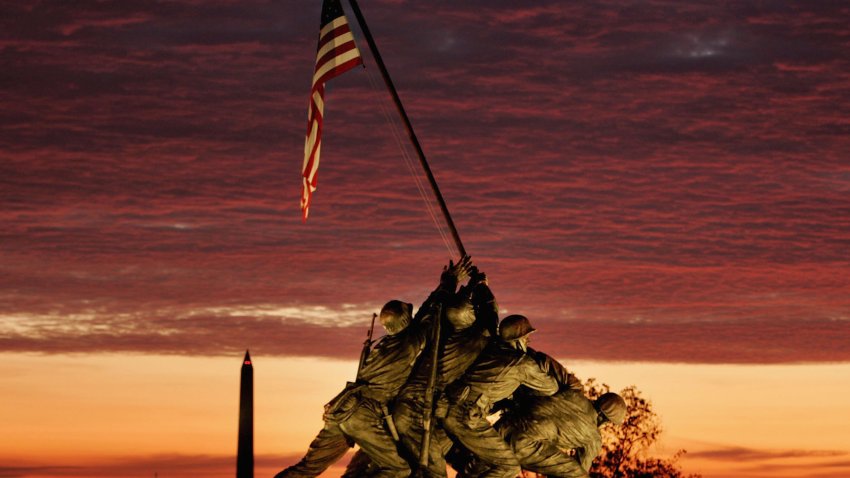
423,392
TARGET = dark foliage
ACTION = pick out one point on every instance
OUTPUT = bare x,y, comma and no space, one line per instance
625,449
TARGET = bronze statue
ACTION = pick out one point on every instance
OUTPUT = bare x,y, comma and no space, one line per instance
501,368
360,413
470,371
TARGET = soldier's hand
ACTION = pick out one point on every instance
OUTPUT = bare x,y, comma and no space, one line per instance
460,270
477,277
447,278
569,451
464,267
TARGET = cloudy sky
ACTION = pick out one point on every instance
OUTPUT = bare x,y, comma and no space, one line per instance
651,182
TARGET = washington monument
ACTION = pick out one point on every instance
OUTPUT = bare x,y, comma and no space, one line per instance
245,451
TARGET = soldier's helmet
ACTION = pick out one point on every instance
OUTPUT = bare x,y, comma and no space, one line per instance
395,316
460,313
613,407
514,327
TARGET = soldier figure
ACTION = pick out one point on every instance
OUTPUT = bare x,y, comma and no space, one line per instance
501,368
558,436
471,316
358,414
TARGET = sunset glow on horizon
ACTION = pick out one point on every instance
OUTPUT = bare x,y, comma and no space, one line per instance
178,415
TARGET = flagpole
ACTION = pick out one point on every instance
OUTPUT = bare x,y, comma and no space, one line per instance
407,126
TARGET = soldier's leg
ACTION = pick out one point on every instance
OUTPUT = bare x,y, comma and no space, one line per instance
360,466
408,421
458,457
325,450
366,428
467,423
440,446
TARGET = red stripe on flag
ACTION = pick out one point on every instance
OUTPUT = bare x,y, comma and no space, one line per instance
339,50
343,53
339,69
336,32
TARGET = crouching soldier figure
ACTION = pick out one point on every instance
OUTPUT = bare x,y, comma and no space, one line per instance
501,368
558,436
360,413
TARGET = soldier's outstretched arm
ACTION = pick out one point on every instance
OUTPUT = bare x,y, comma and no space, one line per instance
548,458
566,380
537,379
449,279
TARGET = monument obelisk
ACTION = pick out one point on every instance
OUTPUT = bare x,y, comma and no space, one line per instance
245,450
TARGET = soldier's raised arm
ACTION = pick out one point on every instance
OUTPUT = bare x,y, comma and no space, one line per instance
566,380
537,379
451,276
483,302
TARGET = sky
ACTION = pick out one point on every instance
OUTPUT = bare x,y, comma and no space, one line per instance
663,188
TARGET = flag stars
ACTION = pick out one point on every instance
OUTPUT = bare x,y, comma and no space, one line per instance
331,9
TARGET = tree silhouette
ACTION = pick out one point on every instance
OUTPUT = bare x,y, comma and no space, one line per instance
625,448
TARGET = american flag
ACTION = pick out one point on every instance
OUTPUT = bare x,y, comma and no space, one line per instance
337,53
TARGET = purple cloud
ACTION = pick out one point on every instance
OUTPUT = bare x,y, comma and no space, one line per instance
651,174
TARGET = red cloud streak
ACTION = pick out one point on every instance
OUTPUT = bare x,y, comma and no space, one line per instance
646,181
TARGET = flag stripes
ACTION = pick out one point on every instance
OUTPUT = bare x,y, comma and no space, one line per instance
336,53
